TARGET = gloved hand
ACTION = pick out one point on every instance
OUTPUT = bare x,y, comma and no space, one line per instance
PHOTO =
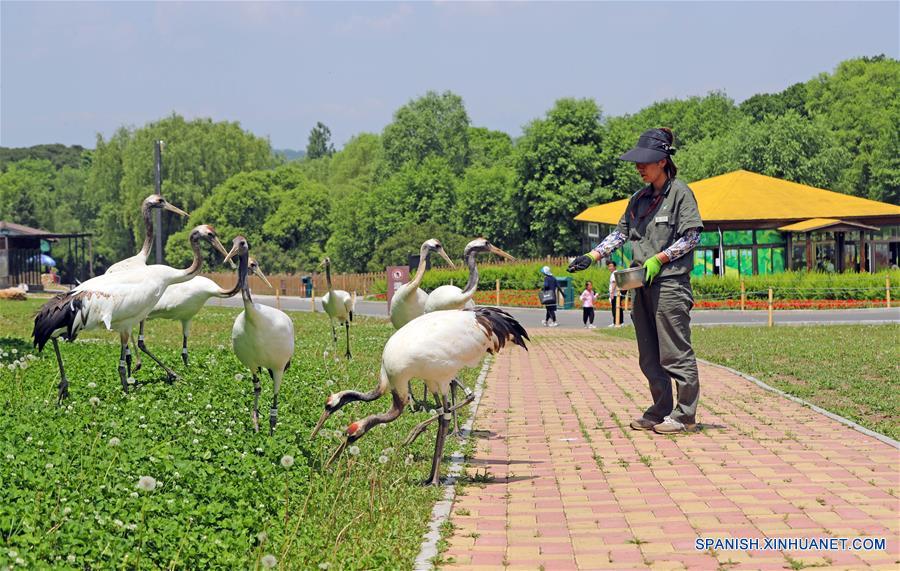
653,266
580,263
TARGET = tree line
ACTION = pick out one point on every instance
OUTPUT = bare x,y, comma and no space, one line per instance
430,172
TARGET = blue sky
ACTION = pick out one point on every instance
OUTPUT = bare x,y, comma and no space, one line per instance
70,70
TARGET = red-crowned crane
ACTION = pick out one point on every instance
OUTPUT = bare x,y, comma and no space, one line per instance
338,304
433,347
117,301
262,336
182,302
409,300
139,260
451,297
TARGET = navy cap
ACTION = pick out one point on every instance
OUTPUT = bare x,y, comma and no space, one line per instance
653,145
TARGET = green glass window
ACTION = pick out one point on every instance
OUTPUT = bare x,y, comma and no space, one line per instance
709,239
738,237
746,262
769,237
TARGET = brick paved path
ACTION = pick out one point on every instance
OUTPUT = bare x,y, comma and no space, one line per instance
574,487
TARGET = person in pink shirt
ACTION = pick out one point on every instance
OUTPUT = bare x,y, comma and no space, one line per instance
587,305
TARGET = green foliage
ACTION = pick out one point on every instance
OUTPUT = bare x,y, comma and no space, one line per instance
796,285
432,125
488,148
69,491
558,166
319,144
60,156
485,205
407,242
759,106
27,193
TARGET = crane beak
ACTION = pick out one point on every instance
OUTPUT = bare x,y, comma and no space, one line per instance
175,209
337,452
320,424
230,254
218,246
321,264
500,252
447,258
262,276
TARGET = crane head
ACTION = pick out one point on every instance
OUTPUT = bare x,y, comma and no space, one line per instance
239,247
208,233
253,265
333,404
355,431
157,201
434,245
483,245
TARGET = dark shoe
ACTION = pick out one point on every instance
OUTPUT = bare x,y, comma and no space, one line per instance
643,424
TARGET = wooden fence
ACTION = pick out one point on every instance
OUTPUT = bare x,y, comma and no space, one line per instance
292,284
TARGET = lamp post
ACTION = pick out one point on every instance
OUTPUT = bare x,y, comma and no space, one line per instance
157,213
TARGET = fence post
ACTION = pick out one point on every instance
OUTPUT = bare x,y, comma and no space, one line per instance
312,298
770,307
617,301
278,296
498,291
743,295
887,288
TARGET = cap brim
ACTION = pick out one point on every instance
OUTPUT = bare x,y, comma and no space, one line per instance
642,155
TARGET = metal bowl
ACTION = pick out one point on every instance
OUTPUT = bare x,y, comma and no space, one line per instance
631,278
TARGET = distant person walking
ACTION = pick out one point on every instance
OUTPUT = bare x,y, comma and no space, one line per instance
587,305
548,293
663,224
614,296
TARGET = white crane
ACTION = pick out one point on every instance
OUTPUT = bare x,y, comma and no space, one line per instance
338,304
182,302
451,297
262,336
409,300
433,347
139,260
117,301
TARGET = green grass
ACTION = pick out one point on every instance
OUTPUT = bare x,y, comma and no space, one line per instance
851,370
68,499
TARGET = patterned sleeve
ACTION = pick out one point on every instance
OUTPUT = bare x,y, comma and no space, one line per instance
683,245
609,244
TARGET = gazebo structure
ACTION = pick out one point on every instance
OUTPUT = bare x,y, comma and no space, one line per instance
21,248
757,224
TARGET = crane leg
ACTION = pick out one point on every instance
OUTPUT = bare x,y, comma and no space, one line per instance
170,374
137,355
415,404
333,332
257,388
273,412
415,432
63,381
453,384
434,479
123,362
184,351
347,329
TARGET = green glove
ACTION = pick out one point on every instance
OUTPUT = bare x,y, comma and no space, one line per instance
653,266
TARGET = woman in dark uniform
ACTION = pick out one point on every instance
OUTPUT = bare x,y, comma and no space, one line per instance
663,224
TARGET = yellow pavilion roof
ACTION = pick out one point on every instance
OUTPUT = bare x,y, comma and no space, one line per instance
819,223
744,195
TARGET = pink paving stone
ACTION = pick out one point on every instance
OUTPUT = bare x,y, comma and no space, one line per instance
487,558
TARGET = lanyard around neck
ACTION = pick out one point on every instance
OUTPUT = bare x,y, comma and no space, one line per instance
653,204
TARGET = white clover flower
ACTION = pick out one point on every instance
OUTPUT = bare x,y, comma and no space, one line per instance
208,406
195,441
28,439
324,565
114,442
287,460
20,561
67,510
409,460
11,367
131,380
147,483
49,466
92,385
269,561
131,526
262,537
14,351
133,495
23,365
10,457
354,450
13,553
70,559
388,451
94,401
238,377
31,357
118,523
383,459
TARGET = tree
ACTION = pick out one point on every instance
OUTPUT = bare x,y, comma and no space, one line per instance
432,125
558,165
488,148
761,105
408,241
27,193
319,144
485,199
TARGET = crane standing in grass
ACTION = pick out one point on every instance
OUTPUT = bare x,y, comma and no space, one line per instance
262,336
409,300
139,260
117,301
182,302
433,348
338,304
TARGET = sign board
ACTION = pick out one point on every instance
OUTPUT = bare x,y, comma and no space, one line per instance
396,277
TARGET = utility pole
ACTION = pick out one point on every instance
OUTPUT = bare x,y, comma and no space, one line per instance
157,212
